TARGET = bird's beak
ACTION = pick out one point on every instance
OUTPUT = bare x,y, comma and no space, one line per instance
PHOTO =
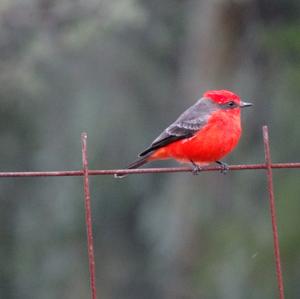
245,104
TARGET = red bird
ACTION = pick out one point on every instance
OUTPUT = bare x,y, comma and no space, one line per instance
204,133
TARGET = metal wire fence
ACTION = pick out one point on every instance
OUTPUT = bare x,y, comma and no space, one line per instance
268,166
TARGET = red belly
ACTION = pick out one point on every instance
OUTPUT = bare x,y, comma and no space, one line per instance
211,143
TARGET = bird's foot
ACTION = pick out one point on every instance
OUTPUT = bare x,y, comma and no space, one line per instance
196,168
224,167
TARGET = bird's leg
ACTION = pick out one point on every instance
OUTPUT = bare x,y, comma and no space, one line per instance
196,169
224,166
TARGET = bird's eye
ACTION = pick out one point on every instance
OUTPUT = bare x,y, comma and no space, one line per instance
231,104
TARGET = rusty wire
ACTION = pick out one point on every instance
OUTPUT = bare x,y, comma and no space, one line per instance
88,216
268,166
273,211
16,174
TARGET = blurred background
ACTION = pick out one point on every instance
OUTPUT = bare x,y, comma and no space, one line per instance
123,70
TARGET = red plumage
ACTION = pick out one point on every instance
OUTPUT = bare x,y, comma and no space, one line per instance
215,140
204,133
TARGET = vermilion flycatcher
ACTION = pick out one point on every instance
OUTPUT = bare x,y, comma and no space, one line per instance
204,133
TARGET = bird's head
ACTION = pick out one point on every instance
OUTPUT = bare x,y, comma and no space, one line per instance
226,99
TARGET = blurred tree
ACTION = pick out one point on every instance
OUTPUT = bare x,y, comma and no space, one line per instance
123,70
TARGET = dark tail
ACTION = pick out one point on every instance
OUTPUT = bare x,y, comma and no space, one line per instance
136,164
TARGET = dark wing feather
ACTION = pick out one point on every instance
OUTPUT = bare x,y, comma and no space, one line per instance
186,125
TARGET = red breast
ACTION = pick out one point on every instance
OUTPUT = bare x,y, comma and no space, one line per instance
215,140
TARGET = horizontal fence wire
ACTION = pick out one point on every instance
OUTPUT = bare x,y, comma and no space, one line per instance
268,166
16,174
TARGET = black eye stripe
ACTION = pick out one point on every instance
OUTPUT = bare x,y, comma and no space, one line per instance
229,105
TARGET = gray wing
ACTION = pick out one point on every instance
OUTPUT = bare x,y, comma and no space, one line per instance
186,125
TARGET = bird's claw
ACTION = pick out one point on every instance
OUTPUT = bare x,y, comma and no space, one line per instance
196,169
224,167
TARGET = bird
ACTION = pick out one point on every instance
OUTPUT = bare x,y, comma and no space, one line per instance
203,134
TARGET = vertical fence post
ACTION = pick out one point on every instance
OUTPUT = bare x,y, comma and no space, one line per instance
88,216
273,210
